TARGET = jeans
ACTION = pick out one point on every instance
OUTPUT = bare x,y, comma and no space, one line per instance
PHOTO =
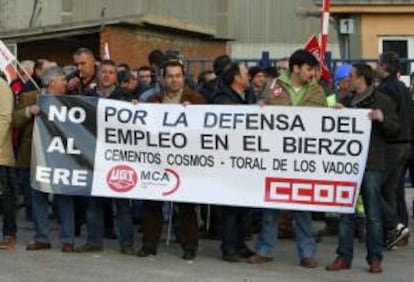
371,195
8,191
95,221
137,211
267,238
40,206
125,222
24,179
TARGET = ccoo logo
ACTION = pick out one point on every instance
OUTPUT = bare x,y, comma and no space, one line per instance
122,178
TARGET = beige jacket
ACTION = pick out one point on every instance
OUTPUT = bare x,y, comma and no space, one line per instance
6,109
25,124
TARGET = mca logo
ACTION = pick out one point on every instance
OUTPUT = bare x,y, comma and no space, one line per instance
122,178
167,179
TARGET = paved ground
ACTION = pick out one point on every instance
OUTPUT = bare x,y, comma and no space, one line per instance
110,265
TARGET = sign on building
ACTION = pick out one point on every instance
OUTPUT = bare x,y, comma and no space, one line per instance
346,26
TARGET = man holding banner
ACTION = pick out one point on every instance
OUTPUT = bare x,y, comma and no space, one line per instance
108,89
385,125
236,80
54,81
175,92
295,87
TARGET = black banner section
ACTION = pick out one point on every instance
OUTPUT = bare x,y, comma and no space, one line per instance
66,128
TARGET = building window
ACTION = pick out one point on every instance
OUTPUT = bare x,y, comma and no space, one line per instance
403,46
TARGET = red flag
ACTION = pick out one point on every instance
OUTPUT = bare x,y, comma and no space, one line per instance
10,73
313,46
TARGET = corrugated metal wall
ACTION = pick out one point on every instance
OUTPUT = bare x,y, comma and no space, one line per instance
201,12
276,26
91,9
261,21
273,20
257,25
17,14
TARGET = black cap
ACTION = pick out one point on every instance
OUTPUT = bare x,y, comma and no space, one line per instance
123,76
255,70
221,63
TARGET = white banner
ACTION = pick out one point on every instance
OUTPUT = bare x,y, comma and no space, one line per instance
295,158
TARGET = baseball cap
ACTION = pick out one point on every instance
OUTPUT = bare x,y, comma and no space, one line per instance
342,72
123,76
255,70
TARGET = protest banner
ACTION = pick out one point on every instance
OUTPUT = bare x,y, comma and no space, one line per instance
298,158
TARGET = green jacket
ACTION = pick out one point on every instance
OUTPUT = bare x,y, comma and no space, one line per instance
281,92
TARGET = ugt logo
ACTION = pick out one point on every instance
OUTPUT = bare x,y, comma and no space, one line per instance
122,178
310,192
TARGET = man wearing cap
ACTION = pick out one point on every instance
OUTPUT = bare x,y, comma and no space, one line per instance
258,79
130,84
127,81
341,80
345,96
385,123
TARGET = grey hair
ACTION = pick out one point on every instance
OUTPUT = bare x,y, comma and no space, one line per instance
50,74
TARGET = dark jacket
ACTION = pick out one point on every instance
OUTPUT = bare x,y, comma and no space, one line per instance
83,88
399,93
211,88
227,96
207,89
29,85
189,95
117,94
141,88
390,127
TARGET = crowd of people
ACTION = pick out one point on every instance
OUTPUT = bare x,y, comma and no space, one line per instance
294,81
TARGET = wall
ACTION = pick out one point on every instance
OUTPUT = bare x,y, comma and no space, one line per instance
374,26
132,45
127,44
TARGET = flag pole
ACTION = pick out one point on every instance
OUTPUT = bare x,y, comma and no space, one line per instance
325,26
